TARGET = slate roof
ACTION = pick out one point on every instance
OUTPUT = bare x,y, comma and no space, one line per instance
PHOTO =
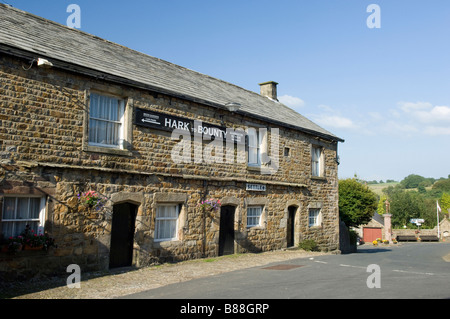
378,218
73,49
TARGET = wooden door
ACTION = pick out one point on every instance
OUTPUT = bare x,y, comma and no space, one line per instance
226,231
122,235
290,227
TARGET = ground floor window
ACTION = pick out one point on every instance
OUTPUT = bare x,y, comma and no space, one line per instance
18,212
166,222
314,217
254,216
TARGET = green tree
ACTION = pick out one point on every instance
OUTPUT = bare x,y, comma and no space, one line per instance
381,210
412,181
357,203
403,207
444,203
442,185
411,204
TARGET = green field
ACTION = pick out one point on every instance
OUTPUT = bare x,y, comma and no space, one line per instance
377,188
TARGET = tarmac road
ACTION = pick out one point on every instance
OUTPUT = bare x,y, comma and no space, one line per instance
409,270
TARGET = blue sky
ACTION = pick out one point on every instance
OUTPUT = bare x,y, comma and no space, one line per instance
385,90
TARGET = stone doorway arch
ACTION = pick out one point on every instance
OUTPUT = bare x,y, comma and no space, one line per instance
123,220
292,215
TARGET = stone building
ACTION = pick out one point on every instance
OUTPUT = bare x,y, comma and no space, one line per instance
373,230
155,140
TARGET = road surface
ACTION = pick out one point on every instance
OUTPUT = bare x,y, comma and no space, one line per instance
407,270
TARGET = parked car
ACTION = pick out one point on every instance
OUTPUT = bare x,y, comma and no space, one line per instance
359,241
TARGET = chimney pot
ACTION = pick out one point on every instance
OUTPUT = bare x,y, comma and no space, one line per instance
269,89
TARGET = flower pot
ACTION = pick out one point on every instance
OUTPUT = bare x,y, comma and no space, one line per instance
11,249
28,247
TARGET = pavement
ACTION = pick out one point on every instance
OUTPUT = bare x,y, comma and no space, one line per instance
126,281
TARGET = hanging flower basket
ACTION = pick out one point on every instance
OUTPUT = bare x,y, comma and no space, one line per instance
210,205
92,199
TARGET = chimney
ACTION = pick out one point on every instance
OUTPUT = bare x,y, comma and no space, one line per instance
269,89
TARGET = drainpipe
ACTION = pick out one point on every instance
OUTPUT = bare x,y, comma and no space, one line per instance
205,191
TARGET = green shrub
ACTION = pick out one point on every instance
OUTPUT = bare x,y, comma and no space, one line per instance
308,245
353,236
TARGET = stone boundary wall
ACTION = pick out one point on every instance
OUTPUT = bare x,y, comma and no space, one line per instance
412,232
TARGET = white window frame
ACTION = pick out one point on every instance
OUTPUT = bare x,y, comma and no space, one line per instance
314,217
254,213
158,220
40,220
254,147
316,161
121,121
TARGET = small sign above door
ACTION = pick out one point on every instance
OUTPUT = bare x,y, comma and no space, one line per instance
256,187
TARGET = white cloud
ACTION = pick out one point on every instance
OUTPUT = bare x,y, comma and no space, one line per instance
436,130
413,107
408,119
335,121
291,101
376,116
330,118
426,118
326,108
394,126
434,115
426,112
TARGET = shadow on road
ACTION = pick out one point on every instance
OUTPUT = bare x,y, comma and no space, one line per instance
367,250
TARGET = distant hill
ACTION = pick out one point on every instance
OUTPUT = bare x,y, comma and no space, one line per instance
377,188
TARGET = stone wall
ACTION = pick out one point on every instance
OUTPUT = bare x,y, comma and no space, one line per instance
346,245
413,232
44,152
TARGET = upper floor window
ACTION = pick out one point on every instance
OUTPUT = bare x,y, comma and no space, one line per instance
18,212
316,161
106,121
254,147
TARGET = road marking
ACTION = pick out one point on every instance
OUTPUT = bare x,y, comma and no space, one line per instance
414,272
343,265
396,270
